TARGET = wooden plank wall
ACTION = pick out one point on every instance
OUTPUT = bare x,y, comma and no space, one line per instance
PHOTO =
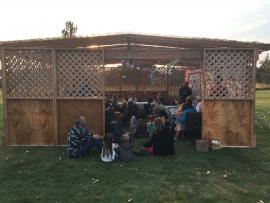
47,120
229,121
29,122
68,110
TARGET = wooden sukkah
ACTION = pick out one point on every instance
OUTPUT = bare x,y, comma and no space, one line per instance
48,82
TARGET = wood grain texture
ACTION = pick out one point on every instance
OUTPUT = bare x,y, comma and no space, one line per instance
68,110
118,39
228,121
154,56
29,122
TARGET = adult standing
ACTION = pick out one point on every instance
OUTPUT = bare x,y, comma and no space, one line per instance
184,92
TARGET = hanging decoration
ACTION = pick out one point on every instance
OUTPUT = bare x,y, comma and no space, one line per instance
148,69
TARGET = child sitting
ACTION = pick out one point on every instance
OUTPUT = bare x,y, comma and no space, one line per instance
162,140
108,153
132,127
181,116
151,128
141,126
178,127
116,128
125,149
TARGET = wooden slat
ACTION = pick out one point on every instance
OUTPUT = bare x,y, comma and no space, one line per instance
70,42
153,54
5,133
54,86
253,113
68,110
23,98
30,122
186,62
228,121
79,98
103,99
135,39
194,42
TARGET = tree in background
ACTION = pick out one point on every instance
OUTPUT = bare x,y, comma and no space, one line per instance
69,30
263,71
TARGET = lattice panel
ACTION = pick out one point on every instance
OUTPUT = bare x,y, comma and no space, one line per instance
123,81
195,83
132,80
176,79
112,79
229,74
158,80
79,73
28,73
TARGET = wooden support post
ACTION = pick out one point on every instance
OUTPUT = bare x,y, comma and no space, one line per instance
167,81
5,133
54,86
103,93
203,88
143,82
253,113
120,80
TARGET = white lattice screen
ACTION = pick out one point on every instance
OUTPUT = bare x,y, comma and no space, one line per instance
229,74
79,73
28,73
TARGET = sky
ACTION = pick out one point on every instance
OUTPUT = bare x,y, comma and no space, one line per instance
246,20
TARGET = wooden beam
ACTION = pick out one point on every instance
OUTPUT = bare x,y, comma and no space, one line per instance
181,42
157,56
70,42
54,86
183,62
194,42
5,133
152,54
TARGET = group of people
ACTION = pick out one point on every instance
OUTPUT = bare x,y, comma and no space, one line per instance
124,121
81,141
189,106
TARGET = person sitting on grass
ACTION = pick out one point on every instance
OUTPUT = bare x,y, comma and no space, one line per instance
116,128
80,140
125,149
108,153
141,126
162,140
151,128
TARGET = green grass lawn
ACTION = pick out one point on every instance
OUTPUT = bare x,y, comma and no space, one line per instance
44,174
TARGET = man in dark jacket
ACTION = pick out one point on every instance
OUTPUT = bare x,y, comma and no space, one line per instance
184,92
80,140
